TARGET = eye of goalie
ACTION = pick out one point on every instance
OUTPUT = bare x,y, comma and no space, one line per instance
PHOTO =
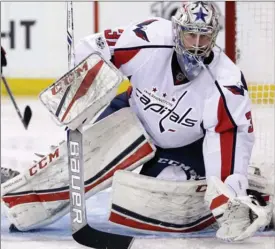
196,43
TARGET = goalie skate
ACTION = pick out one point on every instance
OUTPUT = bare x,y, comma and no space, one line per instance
7,174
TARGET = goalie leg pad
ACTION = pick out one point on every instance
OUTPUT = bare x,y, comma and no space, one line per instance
149,204
41,198
116,142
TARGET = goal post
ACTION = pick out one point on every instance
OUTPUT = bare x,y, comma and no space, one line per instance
230,27
249,42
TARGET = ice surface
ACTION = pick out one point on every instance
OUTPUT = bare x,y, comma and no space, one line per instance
17,148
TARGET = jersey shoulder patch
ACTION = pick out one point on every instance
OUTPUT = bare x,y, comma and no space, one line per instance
237,89
140,30
153,31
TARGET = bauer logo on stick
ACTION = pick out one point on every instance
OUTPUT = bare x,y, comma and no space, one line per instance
75,181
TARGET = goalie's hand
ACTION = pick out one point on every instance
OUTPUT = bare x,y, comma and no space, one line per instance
3,58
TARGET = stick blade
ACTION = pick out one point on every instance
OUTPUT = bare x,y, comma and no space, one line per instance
27,116
93,238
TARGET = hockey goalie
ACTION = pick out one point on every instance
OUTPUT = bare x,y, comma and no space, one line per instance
185,121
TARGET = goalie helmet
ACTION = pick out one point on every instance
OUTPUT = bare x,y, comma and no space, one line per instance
196,26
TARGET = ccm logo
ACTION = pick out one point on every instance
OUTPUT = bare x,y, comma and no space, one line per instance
74,163
68,79
45,161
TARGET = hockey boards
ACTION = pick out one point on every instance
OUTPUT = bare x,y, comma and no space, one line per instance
81,231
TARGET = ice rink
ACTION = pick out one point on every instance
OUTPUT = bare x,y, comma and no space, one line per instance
17,151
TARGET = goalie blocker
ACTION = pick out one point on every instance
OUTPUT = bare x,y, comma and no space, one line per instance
81,93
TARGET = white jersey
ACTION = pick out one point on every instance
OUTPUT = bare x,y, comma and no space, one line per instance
175,113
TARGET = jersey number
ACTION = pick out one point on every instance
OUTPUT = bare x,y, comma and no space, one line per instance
248,117
112,36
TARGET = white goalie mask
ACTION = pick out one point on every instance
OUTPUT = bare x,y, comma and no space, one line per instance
195,26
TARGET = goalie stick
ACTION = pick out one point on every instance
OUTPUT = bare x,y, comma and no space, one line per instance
26,118
81,231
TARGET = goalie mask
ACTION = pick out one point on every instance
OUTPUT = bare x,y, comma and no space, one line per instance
195,26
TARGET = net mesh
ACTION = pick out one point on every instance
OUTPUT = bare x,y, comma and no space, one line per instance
255,56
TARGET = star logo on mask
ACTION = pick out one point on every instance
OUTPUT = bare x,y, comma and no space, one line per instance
200,15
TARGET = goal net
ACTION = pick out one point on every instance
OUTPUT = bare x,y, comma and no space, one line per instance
250,43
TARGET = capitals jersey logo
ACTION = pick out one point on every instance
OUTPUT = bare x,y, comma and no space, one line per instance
140,30
237,90
165,112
